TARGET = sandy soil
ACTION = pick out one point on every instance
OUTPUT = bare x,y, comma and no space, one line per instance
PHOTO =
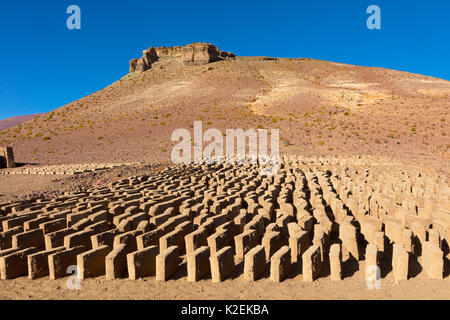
419,287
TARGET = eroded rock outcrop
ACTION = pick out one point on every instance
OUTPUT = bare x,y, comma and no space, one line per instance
192,54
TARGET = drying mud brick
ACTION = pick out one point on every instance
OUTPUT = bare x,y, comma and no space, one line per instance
433,260
280,264
116,262
400,262
104,238
198,265
28,239
142,263
60,261
312,264
56,239
222,264
167,263
271,242
92,263
245,242
174,238
128,238
195,240
80,238
335,262
255,263
38,263
15,264
298,243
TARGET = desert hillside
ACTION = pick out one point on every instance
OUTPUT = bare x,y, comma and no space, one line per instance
320,107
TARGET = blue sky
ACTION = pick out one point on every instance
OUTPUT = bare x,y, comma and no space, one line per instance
44,65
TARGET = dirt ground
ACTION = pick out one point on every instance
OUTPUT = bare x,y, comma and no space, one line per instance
354,287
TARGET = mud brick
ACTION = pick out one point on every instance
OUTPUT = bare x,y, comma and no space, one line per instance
371,260
336,262
117,220
245,242
116,262
56,239
199,220
160,207
299,242
312,264
283,222
293,229
34,224
92,263
129,239
77,216
125,225
271,243
137,218
407,240
185,227
174,238
147,239
104,238
195,240
80,238
172,223
220,239
99,216
54,225
208,225
394,231
400,262
98,227
142,263
257,223
379,241
38,263
219,219
18,221
306,223
82,224
280,264
60,215
432,260
198,265
434,237
29,239
167,263
144,226
347,233
15,264
222,264
272,227
241,219
8,251
146,206
6,237
254,263
160,219
321,240
419,231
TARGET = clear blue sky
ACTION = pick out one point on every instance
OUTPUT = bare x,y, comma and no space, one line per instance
44,65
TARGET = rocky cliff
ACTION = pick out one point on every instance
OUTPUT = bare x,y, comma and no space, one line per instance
192,54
